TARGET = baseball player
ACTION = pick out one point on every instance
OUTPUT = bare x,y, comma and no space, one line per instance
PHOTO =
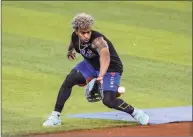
101,70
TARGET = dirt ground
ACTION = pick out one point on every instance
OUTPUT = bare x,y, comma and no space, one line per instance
171,129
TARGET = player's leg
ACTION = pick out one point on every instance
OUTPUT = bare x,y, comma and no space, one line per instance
111,82
73,78
110,86
78,76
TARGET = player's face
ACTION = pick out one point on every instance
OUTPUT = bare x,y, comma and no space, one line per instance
84,34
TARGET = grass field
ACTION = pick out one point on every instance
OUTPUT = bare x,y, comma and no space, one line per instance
154,40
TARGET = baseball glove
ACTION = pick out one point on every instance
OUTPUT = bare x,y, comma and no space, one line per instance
94,91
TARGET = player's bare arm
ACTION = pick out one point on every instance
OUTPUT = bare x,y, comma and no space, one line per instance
71,53
102,48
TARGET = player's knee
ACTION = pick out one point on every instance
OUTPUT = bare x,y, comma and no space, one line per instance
109,99
109,103
71,79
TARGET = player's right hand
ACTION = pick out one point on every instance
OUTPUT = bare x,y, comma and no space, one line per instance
71,55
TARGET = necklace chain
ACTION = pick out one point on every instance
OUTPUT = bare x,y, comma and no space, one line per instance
82,45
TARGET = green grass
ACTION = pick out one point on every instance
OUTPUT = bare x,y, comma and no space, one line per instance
153,40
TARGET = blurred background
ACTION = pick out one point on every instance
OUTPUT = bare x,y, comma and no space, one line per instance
153,39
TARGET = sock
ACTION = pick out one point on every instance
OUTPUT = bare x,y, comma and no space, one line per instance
123,106
55,113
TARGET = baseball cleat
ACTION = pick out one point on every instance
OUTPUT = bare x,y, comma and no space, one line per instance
53,119
141,117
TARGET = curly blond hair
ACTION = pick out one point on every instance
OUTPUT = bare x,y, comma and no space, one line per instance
82,21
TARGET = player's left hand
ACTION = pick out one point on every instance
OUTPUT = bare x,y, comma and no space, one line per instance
100,79
71,54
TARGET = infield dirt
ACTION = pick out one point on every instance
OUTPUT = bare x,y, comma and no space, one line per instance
171,129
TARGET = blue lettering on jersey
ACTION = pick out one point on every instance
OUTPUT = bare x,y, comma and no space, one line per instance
86,52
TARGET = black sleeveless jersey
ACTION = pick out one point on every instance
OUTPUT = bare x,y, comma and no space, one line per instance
92,56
